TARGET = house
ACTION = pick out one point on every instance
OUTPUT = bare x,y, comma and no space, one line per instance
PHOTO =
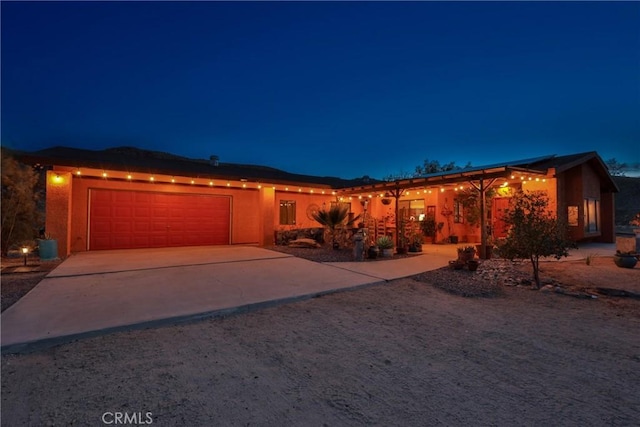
129,198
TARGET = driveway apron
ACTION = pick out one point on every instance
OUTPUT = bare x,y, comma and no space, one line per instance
92,293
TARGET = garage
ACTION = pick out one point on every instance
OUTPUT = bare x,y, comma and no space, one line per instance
120,219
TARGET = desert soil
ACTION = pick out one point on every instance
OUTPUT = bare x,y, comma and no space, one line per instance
410,352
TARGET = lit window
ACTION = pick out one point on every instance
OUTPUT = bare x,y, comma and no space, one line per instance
457,212
287,212
591,215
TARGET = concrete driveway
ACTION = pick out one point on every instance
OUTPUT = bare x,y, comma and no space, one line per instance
98,292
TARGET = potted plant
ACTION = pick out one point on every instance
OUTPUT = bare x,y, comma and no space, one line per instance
466,253
415,242
373,251
488,249
403,238
47,248
456,264
625,259
385,243
472,264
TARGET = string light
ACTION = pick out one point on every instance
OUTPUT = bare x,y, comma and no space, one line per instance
104,174
152,179
210,183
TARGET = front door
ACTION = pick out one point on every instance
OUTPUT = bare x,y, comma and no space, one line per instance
499,206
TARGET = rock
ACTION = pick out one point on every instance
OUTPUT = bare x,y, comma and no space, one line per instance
304,243
547,288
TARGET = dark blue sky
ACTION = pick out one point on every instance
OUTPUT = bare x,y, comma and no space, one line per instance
342,89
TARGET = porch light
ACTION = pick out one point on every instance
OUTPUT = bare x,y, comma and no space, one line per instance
104,174
259,186
228,184
57,178
129,177
152,179
25,252
192,182
441,190
173,180
210,183
244,185
78,172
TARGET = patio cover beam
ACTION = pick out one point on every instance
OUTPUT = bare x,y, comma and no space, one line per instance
436,180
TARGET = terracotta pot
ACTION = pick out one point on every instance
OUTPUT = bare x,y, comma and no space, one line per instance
472,265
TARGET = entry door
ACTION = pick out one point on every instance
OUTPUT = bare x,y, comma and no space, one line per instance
138,219
499,206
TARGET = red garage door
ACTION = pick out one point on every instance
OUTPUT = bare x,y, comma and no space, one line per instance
137,219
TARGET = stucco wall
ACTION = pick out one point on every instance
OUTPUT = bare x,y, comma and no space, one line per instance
245,217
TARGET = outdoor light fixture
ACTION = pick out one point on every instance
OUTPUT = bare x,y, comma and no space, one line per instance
173,180
152,178
104,174
78,172
211,183
129,177
192,182
25,252
57,178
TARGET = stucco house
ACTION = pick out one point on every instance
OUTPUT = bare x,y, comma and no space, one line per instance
128,198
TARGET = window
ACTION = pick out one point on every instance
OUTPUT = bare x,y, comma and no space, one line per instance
591,215
287,212
411,208
457,212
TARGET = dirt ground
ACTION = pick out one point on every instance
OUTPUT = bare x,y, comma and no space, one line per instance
405,353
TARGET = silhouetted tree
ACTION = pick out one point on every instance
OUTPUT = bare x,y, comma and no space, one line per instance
19,203
616,168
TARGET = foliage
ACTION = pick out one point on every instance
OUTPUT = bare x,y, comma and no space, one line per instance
616,168
470,199
20,216
636,220
334,219
385,242
427,167
466,249
534,231
428,226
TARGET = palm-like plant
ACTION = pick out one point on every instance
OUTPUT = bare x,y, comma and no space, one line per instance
333,219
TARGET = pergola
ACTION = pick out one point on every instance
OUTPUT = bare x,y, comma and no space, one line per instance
480,178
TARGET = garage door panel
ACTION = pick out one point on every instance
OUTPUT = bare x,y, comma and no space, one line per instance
130,219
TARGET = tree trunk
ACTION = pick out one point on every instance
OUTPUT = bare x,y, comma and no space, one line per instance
535,261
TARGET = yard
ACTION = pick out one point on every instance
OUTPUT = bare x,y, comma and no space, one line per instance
404,353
